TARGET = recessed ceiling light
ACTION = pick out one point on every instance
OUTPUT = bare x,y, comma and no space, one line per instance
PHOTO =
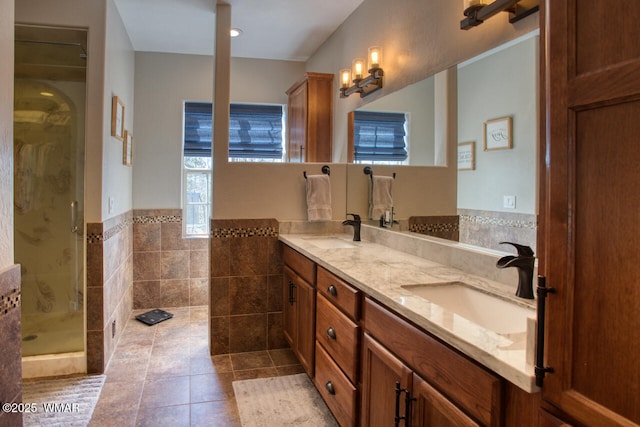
235,32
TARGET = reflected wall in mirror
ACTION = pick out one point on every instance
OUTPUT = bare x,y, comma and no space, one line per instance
497,200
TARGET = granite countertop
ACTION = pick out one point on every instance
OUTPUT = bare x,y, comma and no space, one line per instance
380,272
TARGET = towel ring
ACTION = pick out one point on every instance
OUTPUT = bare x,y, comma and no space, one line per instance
325,170
368,171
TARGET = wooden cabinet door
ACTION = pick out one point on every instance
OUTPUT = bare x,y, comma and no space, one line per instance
592,244
306,301
430,408
380,372
289,307
299,318
297,120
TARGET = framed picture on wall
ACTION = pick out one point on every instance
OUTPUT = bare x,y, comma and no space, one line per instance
497,134
467,156
117,118
127,149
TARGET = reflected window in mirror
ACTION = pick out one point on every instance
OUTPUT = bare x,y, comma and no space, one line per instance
256,133
378,137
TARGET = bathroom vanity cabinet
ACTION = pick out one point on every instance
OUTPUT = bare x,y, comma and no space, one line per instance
337,345
401,363
363,348
299,306
310,118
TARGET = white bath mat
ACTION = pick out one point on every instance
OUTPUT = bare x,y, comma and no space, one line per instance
66,402
290,400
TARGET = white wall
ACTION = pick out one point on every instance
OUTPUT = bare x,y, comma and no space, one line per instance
119,80
502,84
6,134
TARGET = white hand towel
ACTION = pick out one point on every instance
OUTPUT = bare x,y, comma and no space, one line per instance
380,193
319,198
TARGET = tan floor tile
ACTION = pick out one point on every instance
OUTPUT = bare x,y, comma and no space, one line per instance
169,416
251,360
126,370
209,387
225,413
165,392
168,367
251,374
283,357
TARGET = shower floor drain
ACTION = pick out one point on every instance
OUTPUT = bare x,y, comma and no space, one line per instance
29,338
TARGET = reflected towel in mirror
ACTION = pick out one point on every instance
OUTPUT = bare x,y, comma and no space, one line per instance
319,198
380,198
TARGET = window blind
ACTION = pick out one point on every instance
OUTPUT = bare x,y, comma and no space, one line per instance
255,131
197,129
379,136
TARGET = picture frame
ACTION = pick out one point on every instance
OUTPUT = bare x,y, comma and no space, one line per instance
117,118
498,134
127,149
467,156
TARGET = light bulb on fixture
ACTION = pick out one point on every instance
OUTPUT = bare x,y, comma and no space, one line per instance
235,32
375,57
358,68
345,78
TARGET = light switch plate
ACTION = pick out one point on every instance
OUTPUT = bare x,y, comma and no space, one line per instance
509,202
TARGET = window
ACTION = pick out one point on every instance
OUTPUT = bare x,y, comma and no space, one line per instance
197,168
255,135
379,137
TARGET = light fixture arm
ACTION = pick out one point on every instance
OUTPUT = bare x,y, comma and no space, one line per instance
364,86
517,9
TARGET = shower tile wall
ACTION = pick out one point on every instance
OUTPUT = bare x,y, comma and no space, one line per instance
489,228
169,270
109,286
246,286
11,354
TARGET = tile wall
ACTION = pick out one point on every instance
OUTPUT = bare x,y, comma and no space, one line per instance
246,286
109,286
489,228
445,227
11,354
169,270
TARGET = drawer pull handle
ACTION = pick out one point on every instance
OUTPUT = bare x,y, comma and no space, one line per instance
331,333
333,291
330,388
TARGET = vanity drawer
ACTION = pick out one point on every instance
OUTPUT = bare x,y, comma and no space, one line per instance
302,265
339,293
336,389
338,335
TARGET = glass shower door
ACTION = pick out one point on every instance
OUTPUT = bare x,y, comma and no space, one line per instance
49,129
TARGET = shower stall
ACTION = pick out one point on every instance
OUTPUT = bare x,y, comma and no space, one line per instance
49,144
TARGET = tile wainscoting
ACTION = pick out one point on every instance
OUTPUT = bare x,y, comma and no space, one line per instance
246,286
169,269
489,228
109,286
11,355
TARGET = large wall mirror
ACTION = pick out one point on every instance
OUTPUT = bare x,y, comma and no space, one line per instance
496,184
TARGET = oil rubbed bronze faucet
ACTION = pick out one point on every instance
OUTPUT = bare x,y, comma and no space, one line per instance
356,225
524,262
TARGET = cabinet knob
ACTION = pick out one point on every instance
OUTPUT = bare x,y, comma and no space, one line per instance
333,291
331,333
330,388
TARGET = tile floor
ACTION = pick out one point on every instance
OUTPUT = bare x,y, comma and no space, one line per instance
162,375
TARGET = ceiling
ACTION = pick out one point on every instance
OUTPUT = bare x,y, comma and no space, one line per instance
289,30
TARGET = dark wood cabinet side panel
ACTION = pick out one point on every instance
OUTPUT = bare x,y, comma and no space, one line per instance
302,265
470,385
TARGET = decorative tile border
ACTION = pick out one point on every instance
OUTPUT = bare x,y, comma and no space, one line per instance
157,219
500,222
9,301
218,233
434,228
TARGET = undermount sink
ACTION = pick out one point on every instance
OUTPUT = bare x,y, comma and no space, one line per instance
489,311
330,242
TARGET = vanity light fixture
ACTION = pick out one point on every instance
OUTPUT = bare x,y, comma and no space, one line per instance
478,11
364,85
